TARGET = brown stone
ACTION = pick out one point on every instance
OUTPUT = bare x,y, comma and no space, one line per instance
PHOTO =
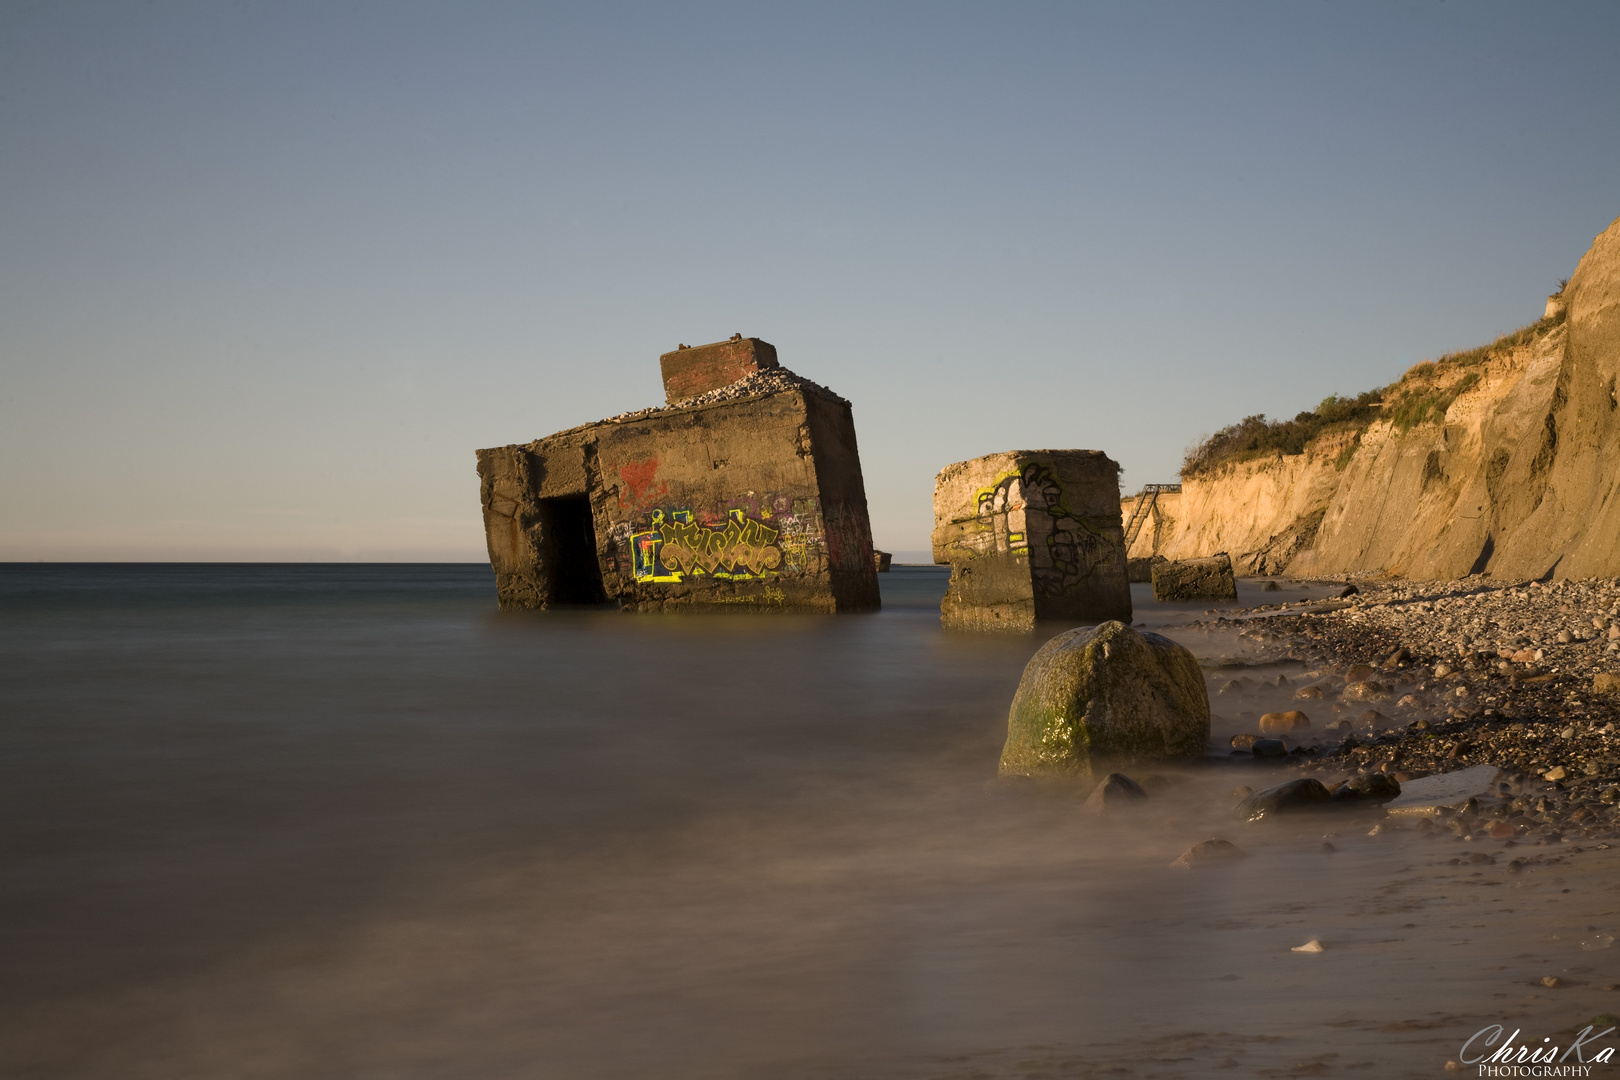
754,502
1208,852
690,371
1278,723
1031,534
882,560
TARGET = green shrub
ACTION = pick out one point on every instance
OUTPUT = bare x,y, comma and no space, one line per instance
1414,400
1255,436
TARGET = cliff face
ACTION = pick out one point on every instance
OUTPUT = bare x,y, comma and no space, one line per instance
1516,476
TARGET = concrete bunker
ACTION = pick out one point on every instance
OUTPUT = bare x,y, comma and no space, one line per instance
1031,534
744,492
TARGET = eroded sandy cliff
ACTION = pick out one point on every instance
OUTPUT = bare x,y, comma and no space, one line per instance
1503,460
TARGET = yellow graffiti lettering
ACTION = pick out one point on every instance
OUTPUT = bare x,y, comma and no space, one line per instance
741,548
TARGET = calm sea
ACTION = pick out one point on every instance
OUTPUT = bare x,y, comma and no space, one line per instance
350,821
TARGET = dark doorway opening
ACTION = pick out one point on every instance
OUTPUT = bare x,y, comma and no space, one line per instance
576,576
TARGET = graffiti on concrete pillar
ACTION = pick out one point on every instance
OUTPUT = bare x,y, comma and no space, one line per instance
675,547
638,478
1026,511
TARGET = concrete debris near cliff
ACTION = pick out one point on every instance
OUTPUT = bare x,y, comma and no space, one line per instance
744,493
1193,579
1501,460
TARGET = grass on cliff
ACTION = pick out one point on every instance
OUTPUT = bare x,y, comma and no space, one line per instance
1420,396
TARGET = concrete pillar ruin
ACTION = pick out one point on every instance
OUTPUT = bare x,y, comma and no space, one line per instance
1031,534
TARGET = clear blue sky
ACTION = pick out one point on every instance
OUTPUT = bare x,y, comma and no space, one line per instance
270,272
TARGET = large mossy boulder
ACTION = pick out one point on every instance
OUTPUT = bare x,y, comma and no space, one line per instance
1103,695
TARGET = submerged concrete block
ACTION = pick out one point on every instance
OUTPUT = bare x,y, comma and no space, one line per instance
1195,579
1141,569
750,502
1031,534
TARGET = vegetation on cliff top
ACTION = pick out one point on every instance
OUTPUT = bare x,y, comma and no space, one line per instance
1420,396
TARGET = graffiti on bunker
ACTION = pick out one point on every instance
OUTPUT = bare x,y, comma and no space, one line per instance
1030,503
676,547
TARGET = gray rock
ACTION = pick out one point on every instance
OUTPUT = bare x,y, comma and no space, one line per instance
1105,694
1369,690
1116,790
1207,853
1371,787
1269,748
1286,798
1428,795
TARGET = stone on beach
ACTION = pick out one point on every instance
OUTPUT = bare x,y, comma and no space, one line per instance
1366,691
1280,723
1284,798
1103,694
1208,852
1427,796
1373,787
1115,791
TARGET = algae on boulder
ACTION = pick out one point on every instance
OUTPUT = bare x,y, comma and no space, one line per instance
1105,694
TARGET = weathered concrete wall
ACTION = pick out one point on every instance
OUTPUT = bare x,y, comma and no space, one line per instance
1031,534
755,503
1193,579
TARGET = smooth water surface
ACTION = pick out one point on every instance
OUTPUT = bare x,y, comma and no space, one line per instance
341,821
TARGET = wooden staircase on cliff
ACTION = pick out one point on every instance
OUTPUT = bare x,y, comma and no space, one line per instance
1144,506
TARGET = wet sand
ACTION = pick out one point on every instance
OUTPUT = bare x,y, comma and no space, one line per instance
412,839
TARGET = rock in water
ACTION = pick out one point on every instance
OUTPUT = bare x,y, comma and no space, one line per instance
1206,852
1115,791
1105,693
1280,723
1195,579
1374,787
1269,748
1294,795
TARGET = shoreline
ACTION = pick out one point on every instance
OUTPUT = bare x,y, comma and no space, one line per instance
1432,677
